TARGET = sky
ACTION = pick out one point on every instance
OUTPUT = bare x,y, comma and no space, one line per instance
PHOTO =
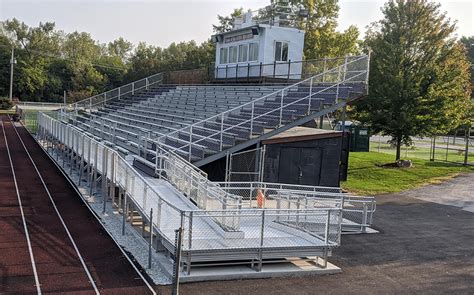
161,22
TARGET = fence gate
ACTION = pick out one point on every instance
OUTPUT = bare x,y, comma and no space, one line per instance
245,166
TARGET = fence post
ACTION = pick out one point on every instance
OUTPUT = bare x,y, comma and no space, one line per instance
364,217
124,208
262,233
310,98
466,151
447,147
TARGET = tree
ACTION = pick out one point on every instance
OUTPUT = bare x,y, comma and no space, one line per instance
468,42
322,38
419,75
225,22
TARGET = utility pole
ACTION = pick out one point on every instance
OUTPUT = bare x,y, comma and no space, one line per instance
12,62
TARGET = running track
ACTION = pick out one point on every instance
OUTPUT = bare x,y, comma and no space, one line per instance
48,234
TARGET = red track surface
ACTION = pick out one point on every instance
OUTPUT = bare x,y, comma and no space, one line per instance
58,266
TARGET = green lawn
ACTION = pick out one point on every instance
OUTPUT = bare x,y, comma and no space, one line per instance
455,153
366,178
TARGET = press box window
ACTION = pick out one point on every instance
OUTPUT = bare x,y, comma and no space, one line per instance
281,51
243,52
233,54
223,55
253,51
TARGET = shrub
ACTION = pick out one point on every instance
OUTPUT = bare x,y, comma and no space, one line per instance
5,103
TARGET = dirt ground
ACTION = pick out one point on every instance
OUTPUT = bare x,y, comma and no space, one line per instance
422,247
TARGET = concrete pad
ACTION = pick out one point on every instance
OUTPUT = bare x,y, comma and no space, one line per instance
272,270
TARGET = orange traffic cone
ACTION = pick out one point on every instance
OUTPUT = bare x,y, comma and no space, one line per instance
260,199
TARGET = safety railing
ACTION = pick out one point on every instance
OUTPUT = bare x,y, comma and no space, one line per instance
308,94
248,225
100,100
357,211
278,72
194,184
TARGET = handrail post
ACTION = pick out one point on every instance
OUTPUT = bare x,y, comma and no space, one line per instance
133,88
146,83
190,142
222,133
251,120
326,231
190,239
281,109
150,241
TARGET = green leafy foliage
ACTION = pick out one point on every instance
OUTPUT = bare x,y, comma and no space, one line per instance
419,74
50,61
5,103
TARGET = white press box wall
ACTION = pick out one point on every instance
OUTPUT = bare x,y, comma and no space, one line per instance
266,39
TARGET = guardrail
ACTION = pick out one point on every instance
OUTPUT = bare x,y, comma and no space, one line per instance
195,185
39,104
354,69
357,211
202,237
99,100
277,72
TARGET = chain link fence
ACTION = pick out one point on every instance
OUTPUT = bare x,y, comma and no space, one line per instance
458,148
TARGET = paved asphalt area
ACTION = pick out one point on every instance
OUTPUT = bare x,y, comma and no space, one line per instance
422,247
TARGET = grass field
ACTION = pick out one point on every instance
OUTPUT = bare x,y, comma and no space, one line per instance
455,153
366,178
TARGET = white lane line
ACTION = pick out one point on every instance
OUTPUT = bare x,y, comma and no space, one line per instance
59,215
25,227
81,197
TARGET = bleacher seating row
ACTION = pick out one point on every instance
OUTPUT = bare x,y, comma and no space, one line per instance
158,111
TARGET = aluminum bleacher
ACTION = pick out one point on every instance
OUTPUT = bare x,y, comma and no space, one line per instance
204,122
168,131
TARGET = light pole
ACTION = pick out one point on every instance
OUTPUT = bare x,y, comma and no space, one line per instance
12,62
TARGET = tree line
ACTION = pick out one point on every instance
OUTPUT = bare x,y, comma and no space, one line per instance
420,80
50,61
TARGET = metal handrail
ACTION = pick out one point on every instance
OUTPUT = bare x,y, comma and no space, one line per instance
263,98
132,85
